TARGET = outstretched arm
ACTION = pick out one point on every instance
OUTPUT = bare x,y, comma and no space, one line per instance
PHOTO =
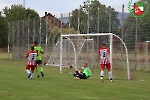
27,54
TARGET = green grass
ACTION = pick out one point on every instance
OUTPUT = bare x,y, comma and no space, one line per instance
14,85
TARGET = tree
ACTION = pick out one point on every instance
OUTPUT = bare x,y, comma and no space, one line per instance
95,17
18,12
142,26
56,32
129,29
31,13
74,20
3,32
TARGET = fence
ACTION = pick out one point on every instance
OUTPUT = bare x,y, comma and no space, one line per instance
47,30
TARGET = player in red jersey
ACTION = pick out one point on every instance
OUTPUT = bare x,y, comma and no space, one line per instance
31,64
103,53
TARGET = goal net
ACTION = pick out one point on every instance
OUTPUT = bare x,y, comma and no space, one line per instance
143,59
73,50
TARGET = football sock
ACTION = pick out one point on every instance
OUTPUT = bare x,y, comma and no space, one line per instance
28,71
36,70
102,74
110,75
32,75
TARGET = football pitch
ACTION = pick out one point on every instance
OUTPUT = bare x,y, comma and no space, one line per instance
14,85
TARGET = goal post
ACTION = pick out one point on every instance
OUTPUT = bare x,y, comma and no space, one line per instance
127,57
110,35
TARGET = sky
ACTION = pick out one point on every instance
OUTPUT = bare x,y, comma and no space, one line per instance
61,6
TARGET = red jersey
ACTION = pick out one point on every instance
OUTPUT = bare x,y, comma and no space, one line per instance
103,52
31,57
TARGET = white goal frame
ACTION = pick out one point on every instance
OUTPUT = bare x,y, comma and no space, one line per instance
95,34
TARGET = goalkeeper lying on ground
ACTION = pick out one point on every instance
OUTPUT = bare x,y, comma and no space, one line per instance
83,75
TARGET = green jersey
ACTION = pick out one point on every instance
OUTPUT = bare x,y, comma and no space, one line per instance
87,71
39,50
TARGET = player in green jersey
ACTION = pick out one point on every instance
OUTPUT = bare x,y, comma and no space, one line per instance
39,50
85,74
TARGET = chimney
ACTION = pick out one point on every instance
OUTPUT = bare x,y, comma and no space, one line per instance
45,13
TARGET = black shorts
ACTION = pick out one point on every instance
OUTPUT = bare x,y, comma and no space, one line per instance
81,75
38,62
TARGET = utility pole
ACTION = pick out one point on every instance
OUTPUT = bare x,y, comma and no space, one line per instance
136,27
24,3
109,19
